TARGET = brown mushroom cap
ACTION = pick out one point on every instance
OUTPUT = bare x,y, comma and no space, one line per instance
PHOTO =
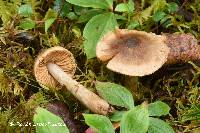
132,52
57,55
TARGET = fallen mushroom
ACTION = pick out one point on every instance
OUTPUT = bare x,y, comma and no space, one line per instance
183,48
132,52
61,110
56,66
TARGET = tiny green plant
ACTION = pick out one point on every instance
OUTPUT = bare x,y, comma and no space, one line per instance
106,16
136,119
28,22
101,20
26,11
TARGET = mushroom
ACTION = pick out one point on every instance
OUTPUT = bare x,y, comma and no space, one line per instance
55,67
62,110
132,52
183,48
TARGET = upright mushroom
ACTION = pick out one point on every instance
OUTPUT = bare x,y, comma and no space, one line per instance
55,67
132,52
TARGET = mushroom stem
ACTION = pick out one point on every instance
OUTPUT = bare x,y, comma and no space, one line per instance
183,48
88,98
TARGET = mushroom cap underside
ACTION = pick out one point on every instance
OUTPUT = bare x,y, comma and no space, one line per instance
56,55
132,52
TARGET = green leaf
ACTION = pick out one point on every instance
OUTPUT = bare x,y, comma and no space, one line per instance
158,16
158,108
71,16
47,122
79,10
157,5
25,10
125,7
50,14
122,7
49,18
27,24
159,126
48,23
117,116
88,15
76,31
135,120
120,17
98,26
103,4
99,122
133,25
66,9
146,13
115,94
62,7
166,22
172,7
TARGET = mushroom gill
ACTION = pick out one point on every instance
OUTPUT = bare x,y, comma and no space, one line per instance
58,55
